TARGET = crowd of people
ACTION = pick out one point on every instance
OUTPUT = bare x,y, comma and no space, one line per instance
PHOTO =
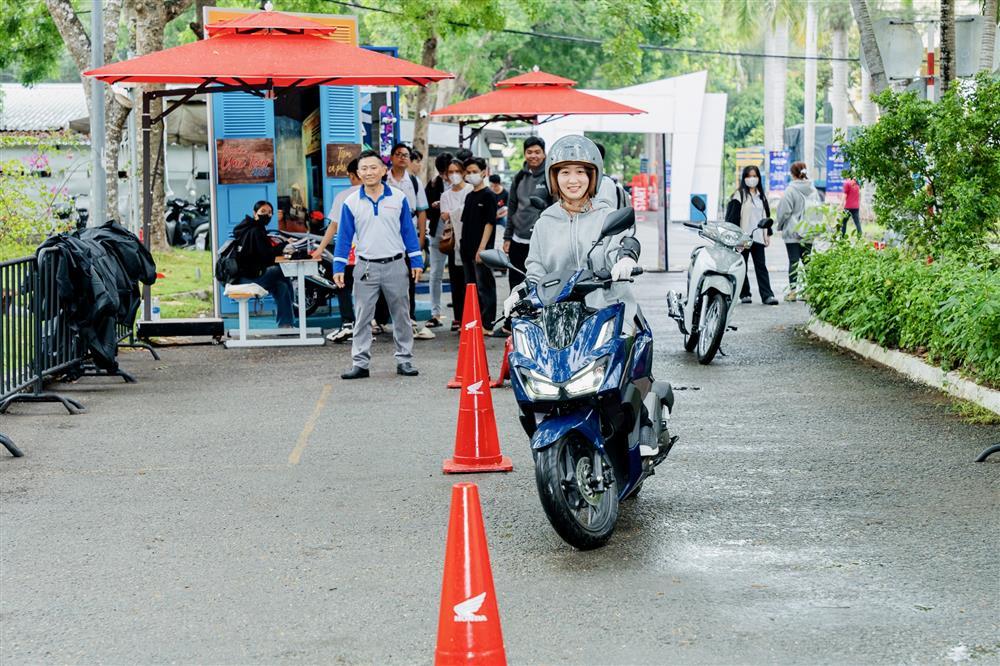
388,221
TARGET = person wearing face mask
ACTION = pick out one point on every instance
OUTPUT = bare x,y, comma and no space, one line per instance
799,195
255,260
452,205
745,209
479,217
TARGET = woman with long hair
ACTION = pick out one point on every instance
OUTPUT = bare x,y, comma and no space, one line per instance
746,208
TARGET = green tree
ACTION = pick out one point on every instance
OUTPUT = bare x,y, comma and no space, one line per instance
936,168
29,42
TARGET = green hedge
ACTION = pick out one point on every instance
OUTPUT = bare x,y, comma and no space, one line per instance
948,309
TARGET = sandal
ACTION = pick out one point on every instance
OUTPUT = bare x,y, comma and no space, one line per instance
433,322
377,329
456,326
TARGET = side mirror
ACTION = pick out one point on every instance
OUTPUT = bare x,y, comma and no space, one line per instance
618,222
539,203
495,259
698,203
766,223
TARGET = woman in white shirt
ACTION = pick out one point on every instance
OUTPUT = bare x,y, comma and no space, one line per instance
452,204
747,207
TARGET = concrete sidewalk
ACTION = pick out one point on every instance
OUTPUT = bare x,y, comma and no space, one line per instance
247,506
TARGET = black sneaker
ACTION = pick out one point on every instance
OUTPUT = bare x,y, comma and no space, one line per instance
771,301
433,322
746,299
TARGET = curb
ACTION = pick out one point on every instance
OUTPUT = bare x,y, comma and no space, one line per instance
909,365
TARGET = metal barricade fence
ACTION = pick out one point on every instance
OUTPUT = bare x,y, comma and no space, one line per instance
36,341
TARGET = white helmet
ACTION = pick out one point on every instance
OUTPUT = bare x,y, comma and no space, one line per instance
573,148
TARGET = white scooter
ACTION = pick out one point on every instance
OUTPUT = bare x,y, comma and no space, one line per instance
715,278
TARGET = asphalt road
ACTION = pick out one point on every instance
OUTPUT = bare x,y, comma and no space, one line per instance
247,506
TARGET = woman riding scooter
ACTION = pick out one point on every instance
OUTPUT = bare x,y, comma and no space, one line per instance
567,230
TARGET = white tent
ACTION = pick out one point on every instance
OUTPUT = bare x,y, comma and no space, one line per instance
691,122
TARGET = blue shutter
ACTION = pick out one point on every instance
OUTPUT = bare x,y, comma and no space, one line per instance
239,115
340,117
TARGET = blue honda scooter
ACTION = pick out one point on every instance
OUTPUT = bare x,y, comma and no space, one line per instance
583,382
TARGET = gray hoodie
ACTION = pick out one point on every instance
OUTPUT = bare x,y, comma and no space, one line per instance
561,242
521,215
791,208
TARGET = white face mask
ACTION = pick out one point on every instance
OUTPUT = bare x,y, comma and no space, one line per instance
803,175
751,182
455,178
474,179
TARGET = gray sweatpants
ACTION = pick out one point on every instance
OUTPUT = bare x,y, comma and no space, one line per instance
393,280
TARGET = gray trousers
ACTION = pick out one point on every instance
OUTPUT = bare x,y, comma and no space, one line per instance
393,280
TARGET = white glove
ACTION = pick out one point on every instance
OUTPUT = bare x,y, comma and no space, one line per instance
622,270
512,300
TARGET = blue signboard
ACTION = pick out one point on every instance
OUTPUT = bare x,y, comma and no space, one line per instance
778,165
834,177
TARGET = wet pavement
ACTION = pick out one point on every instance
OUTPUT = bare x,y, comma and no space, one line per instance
247,506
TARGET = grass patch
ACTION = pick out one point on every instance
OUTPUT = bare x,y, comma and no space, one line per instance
973,413
185,290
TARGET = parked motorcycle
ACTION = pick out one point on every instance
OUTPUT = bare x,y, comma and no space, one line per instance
583,383
319,288
715,278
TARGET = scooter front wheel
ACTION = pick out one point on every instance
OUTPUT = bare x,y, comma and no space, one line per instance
580,501
690,342
713,326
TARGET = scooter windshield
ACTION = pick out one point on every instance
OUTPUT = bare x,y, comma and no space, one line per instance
561,322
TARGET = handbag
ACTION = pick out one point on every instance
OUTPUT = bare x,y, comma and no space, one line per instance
447,242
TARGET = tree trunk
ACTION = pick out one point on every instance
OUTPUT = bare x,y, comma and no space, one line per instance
838,85
869,115
989,41
149,21
947,24
809,110
421,123
775,74
873,57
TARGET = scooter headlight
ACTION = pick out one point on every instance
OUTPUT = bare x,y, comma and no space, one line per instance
607,331
589,379
538,386
729,237
521,343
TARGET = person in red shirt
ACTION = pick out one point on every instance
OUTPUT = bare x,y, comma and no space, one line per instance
852,205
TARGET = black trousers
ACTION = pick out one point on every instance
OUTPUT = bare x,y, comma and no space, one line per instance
796,252
456,280
851,214
756,252
518,254
486,286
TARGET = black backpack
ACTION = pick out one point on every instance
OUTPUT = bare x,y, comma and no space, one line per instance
226,267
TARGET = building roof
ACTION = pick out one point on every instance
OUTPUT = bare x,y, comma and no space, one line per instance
42,107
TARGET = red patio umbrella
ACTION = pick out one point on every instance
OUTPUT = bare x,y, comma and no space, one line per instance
535,97
262,51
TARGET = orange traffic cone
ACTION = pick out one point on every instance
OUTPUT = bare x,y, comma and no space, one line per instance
469,621
477,447
505,363
470,318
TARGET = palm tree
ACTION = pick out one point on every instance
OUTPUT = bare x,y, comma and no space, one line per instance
873,57
838,17
989,36
809,120
947,24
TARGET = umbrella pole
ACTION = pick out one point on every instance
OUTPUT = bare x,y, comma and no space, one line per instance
147,199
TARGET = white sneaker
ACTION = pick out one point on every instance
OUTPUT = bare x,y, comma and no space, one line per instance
342,334
423,333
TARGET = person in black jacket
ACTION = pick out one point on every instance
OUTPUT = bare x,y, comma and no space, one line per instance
521,214
255,259
745,209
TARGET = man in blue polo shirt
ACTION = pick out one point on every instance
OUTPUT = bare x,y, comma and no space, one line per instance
377,219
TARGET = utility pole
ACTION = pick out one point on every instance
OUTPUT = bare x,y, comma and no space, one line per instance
98,184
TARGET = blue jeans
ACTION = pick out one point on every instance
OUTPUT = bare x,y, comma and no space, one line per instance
280,289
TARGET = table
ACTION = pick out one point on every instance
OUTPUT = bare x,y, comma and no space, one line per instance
286,337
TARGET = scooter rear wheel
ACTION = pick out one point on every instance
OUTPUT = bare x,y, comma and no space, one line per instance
582,515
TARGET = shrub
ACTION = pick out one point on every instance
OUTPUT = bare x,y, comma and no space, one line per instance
948,309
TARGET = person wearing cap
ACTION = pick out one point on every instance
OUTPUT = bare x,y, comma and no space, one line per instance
377,218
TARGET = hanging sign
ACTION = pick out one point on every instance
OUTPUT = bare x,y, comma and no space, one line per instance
245,161
338,156
778,171
834,175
